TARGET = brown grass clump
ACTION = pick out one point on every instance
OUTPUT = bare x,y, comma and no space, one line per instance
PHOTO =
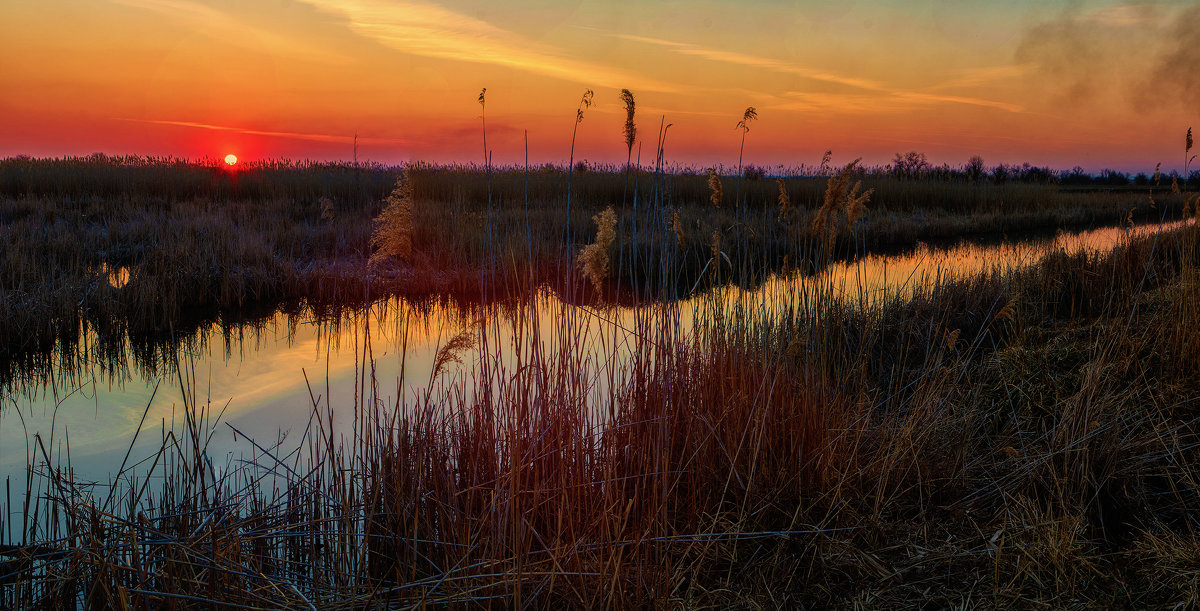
394,226
593,259
714,185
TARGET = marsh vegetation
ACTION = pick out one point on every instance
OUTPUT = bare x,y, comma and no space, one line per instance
1017,436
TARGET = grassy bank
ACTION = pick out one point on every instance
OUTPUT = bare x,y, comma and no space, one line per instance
1017,439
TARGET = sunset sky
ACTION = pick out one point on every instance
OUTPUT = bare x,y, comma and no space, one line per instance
1096,84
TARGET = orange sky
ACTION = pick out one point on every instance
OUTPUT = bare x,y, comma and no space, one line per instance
1098,84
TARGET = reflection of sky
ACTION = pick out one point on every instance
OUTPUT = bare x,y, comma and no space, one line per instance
262,380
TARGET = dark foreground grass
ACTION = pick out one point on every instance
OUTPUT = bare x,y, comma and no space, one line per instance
201,244
1023,439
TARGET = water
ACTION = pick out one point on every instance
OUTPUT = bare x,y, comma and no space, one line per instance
260,389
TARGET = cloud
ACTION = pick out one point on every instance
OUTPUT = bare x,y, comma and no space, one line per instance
872,96
429,30
752,61
205,18
1142,57
314,137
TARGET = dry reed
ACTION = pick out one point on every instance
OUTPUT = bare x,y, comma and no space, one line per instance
594,259
393,233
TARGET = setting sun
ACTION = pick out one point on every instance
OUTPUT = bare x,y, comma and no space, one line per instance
231,159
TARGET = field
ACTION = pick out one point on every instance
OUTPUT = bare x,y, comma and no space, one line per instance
1019,438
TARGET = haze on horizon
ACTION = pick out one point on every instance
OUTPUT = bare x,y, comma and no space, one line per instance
1098,84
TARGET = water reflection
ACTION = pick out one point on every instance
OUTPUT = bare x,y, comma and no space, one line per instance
263,379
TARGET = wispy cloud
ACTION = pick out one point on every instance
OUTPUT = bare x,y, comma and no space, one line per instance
429,30
314,137
752,61
206,18
883,96
975,77
1127,14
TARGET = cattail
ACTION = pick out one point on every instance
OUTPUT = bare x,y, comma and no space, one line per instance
716,248
630,126
392,236
714,183
593,259
1188,148
785,202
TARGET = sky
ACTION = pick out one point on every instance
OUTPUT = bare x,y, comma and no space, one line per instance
1097,84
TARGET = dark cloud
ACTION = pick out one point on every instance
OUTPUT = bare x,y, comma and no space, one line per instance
1142,57
1177,72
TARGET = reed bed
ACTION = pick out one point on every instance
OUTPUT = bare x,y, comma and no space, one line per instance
200,244
1023,438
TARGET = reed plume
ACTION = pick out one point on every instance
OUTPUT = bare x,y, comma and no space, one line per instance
714,184
841,201
593,259
1187,161
392,236
630,126
584,102
483,117
785,201
749,115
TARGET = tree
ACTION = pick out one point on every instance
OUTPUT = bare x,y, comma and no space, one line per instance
910,165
